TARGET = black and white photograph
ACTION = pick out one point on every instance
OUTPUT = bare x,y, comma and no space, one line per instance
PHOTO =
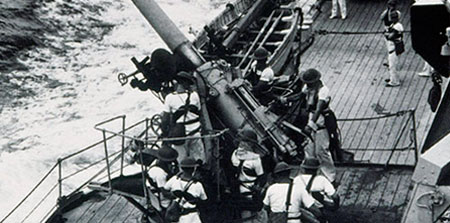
225,111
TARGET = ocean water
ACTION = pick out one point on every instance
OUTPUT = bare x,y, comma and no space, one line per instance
59,61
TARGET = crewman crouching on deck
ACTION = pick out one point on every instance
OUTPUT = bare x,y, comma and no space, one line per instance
284,199
317,104
162,169
250,173
181,118
187,191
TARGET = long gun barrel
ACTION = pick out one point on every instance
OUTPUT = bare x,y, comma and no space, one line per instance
168,31
232,102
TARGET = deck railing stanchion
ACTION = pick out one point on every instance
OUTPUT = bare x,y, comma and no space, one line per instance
143,171
416,149
397,140
146,132
107,161
123,146
59,178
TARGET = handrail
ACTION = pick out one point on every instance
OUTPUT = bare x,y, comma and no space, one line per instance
115,156
97,143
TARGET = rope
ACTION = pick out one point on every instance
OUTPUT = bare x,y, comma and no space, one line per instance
326,32
387,115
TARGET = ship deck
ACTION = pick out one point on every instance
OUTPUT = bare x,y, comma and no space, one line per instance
352,67
350,56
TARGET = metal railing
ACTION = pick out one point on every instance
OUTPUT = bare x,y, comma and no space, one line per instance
106,172
31,207
410,122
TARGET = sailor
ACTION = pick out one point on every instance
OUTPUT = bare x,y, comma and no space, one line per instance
395,47
317,185
162,169
318,98
250,172
187,190
260,69
286,196
181,117
163,67
385,16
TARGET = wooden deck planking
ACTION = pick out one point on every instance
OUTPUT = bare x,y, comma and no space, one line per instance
354,189
372,194
391,190
401,198
415,92
367,187
408,64
91,212
125,212
359,97
357,85
390,91
349,56
105,209
77,213
114,213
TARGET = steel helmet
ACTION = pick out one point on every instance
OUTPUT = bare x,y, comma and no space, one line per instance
281,167
185,78
260,54
164,62
248,135
310,76
188,162
310,164
167,153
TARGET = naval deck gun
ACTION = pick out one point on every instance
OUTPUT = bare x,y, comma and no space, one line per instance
226,99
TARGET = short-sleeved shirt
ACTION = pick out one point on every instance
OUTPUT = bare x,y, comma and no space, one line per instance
313,96
251,161
175,100
267,74
195,189
159,176
320,184
276,199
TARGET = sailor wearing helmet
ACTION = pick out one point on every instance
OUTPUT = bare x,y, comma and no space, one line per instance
285,195
181,117
260,70
317,104
188,190
162,169
250,172
317,185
